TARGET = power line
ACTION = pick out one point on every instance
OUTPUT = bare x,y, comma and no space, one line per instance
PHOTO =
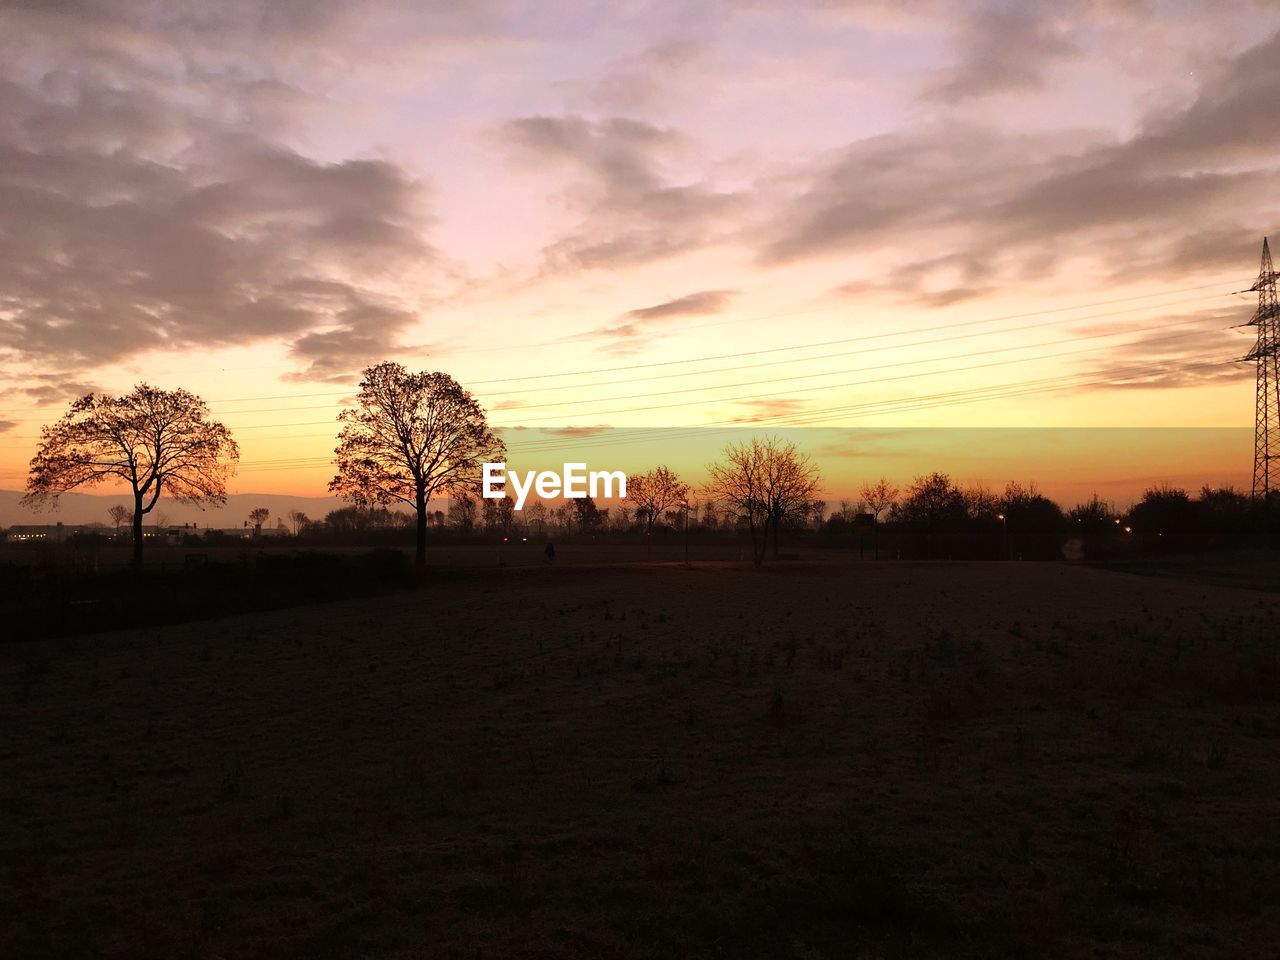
772,363
899,363
834,386
865,337
790,360
775,395
841,412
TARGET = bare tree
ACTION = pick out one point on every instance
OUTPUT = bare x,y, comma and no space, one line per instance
537,516
766,482
879,496
118,514
654,493
498,514
738,483
150,439
412,436
462,512
791,480
297,521
258,518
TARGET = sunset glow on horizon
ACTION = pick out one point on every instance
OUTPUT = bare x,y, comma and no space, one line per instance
604,218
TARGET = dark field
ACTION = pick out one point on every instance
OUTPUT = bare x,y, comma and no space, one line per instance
853,760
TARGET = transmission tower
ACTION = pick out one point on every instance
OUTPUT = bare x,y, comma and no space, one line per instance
1266,425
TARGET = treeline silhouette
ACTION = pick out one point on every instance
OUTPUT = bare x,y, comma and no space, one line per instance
932,518
411,439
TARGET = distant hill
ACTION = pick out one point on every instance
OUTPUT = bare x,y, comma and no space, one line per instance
92,508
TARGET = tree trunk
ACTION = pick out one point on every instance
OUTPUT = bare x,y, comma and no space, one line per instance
137,530
776,523
420,548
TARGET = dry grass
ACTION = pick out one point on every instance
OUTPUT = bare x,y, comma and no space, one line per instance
865,760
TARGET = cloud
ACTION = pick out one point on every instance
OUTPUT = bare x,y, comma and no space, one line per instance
583,431
769,409
1006,49
631,210
144,205
1199,349
691,304
50,388
637,326
652,79
1188,191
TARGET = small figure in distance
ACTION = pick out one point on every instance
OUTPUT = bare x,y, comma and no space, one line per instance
550,552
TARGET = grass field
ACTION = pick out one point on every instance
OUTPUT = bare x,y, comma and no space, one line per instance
813,760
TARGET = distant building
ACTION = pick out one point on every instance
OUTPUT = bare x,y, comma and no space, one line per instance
173,534
53,532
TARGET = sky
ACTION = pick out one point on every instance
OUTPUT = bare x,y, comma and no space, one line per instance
608,216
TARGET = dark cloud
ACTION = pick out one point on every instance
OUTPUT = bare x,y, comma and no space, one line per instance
1198,349
940,282
142,206
690,305
1007,49
636,327
47,388
655,77
583,431
631,209
1189,191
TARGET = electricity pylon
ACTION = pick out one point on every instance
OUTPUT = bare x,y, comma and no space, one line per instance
1266,424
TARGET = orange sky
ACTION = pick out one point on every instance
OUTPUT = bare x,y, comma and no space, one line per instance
828,216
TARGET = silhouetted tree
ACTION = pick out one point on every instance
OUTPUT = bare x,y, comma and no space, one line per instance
537,517
362,519
118,514
412,436
587,514
1033,522
462,513
498,514
564,518
156,441
653,494
1165,517
298,521
766,482
1092,518
931,499
258,518
981,503
879,497
932,504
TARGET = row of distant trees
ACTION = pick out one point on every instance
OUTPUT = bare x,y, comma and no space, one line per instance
413,437
932,516
409,437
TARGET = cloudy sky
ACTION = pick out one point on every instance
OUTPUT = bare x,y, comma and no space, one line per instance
635,214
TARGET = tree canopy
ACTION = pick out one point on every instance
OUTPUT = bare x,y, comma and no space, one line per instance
155,441
411,436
